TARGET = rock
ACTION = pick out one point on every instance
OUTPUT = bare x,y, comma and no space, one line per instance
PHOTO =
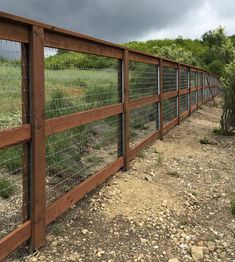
197,253
84,231
100,253
148,178
74,257
211,246
173,260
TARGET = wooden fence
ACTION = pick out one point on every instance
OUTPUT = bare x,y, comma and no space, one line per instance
174,91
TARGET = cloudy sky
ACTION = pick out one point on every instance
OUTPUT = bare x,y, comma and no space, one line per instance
124,20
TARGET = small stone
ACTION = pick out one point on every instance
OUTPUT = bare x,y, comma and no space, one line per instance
84,231
197,253
211,246
173,260
148,178
100,253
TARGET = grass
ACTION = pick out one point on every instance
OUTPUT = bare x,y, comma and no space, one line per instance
6,188
205,141
218,131
233,206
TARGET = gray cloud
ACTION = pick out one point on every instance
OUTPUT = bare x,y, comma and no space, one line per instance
113,20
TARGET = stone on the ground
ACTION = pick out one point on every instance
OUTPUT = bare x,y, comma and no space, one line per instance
197,253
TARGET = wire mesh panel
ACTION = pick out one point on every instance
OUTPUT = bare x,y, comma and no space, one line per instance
184,103
78,153
13,210
76,82
193,79
184,74
199,96
10,84
169,79
169,110
143,79
194,98
143,122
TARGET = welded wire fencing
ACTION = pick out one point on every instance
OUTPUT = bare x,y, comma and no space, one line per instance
73,111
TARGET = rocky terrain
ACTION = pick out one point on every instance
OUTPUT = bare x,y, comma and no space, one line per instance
173,205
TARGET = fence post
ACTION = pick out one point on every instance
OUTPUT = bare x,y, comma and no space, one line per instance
38,163
126,131
197,86
189,94
160,96
25,85
120,117
178,94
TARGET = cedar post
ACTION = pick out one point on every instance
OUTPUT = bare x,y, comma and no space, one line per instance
161,101
178,94
38,196
120,116
25,120
189,94
126,132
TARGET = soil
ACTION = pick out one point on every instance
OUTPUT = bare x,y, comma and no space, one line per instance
174,201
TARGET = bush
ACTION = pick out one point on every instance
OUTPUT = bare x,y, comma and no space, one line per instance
6,188
228,117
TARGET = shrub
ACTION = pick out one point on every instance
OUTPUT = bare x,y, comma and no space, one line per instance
228,117
6,188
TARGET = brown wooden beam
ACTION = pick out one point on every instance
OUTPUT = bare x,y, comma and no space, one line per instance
146,100
14,136
38,201
62,123
14,239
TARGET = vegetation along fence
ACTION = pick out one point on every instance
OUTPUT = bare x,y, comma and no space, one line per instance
73,111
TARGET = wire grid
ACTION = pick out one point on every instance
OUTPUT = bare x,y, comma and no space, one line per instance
10,84
169,110
194,98
169,79
13,174
193,79
143,122
77,153
199,96
184,103
199,79
205,93
184,76
76,82
143,79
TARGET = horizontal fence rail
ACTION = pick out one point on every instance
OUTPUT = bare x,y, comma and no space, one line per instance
74,110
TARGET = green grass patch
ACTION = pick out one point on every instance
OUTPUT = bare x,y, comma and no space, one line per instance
218,131
6,188
205,141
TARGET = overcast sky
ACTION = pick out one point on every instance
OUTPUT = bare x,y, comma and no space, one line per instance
124,20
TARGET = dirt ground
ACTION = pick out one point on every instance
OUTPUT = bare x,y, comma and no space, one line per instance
172,205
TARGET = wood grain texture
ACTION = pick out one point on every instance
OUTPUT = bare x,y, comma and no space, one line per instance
38,183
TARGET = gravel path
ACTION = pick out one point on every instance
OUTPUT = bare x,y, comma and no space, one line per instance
172,205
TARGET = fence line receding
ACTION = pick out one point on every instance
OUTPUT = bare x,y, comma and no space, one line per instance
73,111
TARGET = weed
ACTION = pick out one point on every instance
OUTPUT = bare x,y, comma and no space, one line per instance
218,131
94,159
205,141
6,188
141,154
